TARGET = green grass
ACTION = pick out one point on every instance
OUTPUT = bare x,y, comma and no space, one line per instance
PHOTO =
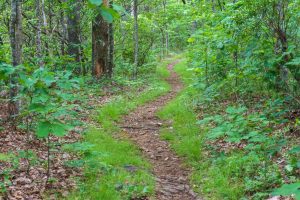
5,157
214,176
184,133
122,105
105,172
187,140
114,168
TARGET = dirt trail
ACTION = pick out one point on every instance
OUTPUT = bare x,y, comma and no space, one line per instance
143,128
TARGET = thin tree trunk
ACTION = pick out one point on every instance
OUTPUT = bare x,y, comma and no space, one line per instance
166,31
74,30
1,41
136,38
206,67
64,31
45,24
281,45
16,48
213,6
39,34
111,47
220,5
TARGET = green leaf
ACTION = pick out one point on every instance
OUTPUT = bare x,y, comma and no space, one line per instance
36,107
146,190
191,40
48,80
289,168
294,62
107,15
295,150
289,189
43,129
220,45
29,82
118,8
59,129
96,2
236,110
217,132
79,147
5,157
56,128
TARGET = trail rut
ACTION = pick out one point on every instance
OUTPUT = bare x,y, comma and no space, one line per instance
142,126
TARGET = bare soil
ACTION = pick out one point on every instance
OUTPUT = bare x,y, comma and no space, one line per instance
143,126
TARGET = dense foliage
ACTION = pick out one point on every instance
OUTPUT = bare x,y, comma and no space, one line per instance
236,123
246,57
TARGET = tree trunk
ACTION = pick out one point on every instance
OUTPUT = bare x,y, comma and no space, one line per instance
213,6
281,45
16,48
45,25
100,45
136,38
74,30
64,31
166,31
39,34
111,47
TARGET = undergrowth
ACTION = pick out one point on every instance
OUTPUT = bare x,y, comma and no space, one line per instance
184,133
113,166
232,150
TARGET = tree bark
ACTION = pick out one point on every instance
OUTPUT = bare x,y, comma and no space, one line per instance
39,34
74,30
166,31
281,46
1,41
213,6
136,39
16,48
64,30
45,25
100,45
111,47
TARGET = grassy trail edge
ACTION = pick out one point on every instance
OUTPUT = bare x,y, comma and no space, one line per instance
113,166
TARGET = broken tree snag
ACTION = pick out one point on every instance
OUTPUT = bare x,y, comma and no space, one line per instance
100,41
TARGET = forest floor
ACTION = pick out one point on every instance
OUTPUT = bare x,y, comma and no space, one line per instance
23,171
25,180
136,142
143,127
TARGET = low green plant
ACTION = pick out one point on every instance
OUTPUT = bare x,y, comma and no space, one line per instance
288,190
238,173
183,132
50,107
113,166
5,174
47,98
13,163
5,180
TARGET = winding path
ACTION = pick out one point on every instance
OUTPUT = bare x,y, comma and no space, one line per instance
143,126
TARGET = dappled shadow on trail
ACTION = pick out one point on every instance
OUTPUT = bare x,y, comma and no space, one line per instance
143,126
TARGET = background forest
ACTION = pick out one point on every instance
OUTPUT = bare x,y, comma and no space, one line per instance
71,69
